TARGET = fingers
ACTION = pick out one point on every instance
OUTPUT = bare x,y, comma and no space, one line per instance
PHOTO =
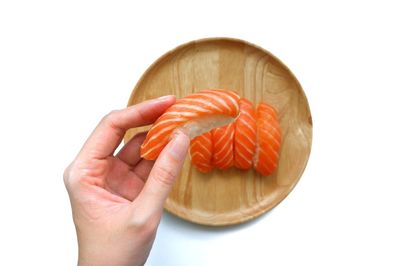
130,153
133,183
110,131
128,183
143,168
162,177
129,187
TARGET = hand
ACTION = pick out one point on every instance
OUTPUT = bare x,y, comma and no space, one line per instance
117,201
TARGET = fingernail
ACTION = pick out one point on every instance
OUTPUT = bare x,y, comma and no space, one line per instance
163,98
179,145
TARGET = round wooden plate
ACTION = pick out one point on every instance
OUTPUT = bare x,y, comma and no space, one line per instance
232,196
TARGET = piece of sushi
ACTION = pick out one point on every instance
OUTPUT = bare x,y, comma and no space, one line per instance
245,135
268,140
201,151
222,139
194,114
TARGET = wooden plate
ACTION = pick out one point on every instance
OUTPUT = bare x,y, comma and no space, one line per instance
232,196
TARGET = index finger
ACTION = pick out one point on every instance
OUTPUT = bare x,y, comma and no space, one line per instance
109,132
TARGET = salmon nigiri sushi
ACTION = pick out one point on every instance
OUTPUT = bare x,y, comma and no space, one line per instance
201,151
222,139
268,140
245,135
194,114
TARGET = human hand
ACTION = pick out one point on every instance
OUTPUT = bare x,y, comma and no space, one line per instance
117,201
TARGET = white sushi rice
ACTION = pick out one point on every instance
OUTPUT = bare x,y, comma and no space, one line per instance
257,150
196,127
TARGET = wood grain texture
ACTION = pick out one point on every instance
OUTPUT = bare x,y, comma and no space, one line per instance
232,196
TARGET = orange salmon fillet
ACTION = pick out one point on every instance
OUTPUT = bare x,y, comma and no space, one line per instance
195,106
222,139
245,135
201,150
268,140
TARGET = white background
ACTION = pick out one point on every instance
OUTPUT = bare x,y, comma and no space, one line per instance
63,65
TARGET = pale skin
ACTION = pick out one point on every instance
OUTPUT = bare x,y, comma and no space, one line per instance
117,199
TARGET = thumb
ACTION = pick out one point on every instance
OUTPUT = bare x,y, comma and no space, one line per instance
163,175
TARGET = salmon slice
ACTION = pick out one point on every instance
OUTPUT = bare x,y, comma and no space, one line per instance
222,139
268,140
201,150
245,135
194,114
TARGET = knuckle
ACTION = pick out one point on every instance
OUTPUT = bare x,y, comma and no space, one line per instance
145,226
140,115
137,223
112,113
67,174
150,227
110,117
71,176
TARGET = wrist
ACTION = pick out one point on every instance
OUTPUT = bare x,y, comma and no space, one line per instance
109,250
